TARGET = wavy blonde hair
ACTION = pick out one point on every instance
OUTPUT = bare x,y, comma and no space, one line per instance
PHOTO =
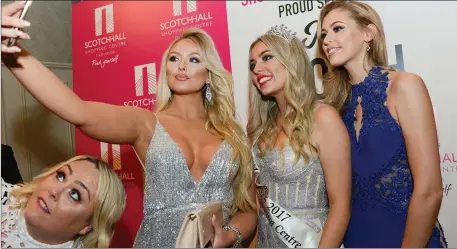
337,85
299,93
109,204
220,112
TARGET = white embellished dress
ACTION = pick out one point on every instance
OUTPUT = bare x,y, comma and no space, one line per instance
299,188
170,191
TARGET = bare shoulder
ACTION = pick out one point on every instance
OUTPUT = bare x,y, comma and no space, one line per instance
151,119
146,120
325,114
143,115
328,127
406,83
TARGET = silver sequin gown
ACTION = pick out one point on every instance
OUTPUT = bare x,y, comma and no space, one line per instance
299,188
170,191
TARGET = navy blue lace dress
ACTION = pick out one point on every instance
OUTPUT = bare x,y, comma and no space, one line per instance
382,182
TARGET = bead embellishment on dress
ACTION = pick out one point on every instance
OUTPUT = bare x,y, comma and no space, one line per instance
167,169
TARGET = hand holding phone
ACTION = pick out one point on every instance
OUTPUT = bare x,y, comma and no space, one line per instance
12,22
12,40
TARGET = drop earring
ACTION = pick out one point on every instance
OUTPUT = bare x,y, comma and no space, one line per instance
208,94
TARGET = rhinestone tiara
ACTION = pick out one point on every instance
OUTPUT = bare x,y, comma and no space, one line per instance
282,32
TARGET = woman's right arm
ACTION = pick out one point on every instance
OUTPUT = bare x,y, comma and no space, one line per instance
102,122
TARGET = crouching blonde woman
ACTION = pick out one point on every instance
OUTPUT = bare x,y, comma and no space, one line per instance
76,203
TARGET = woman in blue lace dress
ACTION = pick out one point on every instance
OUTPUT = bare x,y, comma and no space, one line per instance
397,188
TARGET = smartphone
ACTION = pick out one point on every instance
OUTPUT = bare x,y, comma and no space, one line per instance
24,11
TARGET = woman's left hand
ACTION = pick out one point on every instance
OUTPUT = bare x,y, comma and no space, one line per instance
222,238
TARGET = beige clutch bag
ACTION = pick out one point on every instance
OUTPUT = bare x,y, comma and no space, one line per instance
197,230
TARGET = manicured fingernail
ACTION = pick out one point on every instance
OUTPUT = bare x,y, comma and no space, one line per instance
26,36
26,23
16,49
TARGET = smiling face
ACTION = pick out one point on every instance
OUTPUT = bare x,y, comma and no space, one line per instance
186,73
63,202
343,40
268,74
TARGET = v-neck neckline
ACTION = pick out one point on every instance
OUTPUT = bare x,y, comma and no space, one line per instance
183,157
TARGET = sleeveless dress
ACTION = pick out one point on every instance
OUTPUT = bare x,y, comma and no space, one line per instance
382,183
14,230
297,187
170,191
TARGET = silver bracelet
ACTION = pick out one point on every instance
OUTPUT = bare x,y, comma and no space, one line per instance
239,237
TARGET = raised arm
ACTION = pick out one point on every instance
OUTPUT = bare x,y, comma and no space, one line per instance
332,139
103,122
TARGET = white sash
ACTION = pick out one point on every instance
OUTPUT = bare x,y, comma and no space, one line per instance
295,233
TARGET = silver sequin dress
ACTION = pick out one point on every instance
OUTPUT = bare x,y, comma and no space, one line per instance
170,191
299,188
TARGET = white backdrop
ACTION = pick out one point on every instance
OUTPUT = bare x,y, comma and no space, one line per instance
421,39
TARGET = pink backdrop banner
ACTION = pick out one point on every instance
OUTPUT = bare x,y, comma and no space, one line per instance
117,50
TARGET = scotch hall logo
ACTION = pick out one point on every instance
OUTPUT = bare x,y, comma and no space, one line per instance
111,154
114,153
185,15
145,85
177,7
107,40
109,20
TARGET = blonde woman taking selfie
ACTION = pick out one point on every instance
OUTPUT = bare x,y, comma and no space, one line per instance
193,150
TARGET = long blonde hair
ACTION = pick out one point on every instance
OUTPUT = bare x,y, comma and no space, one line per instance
299,93
109,205
337,85
220,112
